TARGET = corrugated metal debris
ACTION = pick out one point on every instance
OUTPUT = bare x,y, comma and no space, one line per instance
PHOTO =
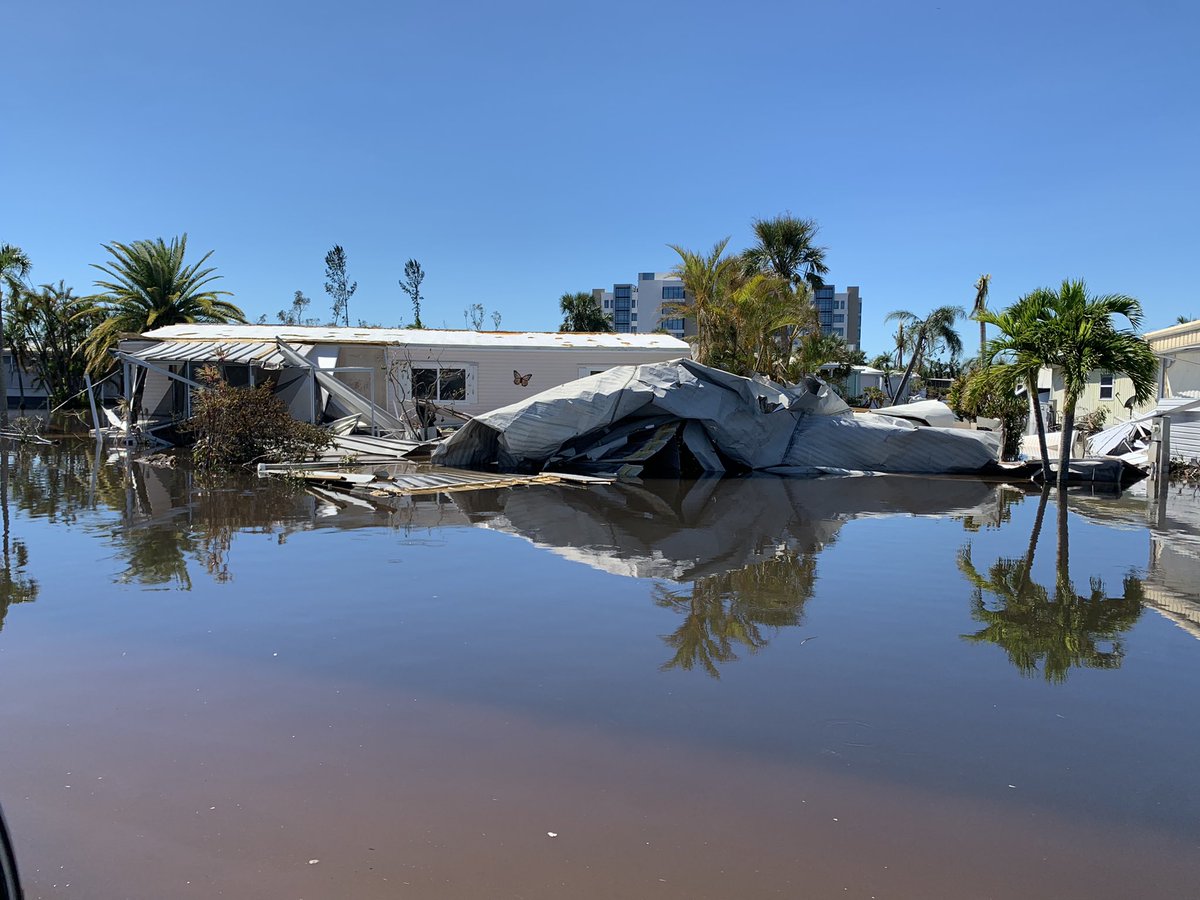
681,417
264,354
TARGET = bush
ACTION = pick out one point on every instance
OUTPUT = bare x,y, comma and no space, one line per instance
236,426
1010,409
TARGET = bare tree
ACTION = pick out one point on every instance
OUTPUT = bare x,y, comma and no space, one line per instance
411,285
337,285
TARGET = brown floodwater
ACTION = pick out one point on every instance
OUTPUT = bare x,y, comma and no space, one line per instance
863,687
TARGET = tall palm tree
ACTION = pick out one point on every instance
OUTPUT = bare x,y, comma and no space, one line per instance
13,263
581,312
1079,337
1014,358
980,307
151,286
936,327
786,247
707,281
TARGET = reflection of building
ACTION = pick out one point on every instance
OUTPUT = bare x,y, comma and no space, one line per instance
840,313
637,308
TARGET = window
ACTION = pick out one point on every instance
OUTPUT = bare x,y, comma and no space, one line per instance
607,303
673,324
646,276
633,317
1106,387
623,291
839,317
443,382
672,292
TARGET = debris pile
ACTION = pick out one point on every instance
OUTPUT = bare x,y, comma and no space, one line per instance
684,418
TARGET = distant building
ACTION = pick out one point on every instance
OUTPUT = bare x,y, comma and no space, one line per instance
637,307
840,313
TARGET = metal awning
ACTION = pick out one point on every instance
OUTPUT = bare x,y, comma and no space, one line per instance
264,354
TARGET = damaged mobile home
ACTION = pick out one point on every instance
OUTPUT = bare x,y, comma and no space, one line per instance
395,381
682,417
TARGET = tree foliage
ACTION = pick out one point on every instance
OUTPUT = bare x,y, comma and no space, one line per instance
581,313
14,264
786,247
235,426
411,285
338,285
296,314
149,285
928,334
46,329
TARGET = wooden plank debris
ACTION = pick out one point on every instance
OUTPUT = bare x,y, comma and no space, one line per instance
416,482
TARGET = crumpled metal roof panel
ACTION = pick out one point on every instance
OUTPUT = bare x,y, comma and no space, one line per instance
264,354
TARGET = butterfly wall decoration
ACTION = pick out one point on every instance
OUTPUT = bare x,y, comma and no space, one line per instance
522,380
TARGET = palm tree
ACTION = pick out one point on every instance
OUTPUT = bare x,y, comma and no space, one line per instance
1079,338
707,281
980,307
14,263
1014,358
936,327
786,248
581,312
152,287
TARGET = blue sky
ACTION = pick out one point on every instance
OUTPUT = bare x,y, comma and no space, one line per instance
520,150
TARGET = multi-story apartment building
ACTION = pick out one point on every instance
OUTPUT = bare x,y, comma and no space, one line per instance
637,307
840,313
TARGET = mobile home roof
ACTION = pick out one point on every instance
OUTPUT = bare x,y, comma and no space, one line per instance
420,337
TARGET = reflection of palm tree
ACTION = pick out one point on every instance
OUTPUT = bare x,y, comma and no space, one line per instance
729,610
15,586
1059,632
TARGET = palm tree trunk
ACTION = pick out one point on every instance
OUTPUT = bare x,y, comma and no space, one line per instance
1033,540
1063,566
912,362
1036,406
1067,434
982,341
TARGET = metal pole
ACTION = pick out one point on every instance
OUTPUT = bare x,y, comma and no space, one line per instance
87,380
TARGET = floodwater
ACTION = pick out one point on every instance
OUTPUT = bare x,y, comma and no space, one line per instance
868,688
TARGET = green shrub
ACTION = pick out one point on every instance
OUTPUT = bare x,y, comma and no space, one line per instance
1010,409
237,426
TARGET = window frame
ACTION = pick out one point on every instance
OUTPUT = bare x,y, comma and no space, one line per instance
470,377
1109,387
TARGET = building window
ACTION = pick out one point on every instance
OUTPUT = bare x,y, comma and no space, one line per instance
1106,387
673,324
646,276
839,317
623,291
672,292
607,303
445,383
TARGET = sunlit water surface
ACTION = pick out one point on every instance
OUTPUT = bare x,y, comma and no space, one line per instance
873,687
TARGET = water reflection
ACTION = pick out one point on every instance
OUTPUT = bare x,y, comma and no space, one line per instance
724,612
1044,630
16,586
740,554
735,559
